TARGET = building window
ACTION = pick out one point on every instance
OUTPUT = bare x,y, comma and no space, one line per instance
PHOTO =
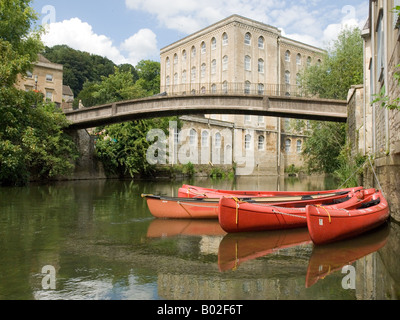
214,66
204,138
49,95
247,39
287,56
299,146
260,65
247,119
287,77
203,48
298,59
203,70
184,76
49,77
167,62
218,140
184,56
29,75
193,52
381,49
167,81
213,88
247,86
225,39
176,78
225,63
261,143
225,87
308,61
260,89
298,80
261,120
247,142
193,75
261,42
175,59
288,145
203,90
247,63
193,137
213,44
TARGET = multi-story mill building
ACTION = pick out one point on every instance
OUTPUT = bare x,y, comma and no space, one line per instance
240,56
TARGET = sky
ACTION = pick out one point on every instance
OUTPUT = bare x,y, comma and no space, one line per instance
128,31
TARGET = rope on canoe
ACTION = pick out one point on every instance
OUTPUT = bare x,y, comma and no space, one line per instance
377,180
289,214
373,170
327,211
196,205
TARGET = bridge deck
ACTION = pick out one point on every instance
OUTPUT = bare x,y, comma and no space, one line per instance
161,106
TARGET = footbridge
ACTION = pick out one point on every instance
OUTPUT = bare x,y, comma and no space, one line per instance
175,105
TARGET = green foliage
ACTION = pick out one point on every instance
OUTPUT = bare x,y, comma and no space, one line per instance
149,76
323,147
32,141
188,169
341,68
116,87
381,97
384,100
81,67
19,43
122,147
350,168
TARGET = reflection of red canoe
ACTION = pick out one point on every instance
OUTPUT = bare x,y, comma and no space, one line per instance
332,257
207,208
170,228
241,216
332,224
187,191
238,248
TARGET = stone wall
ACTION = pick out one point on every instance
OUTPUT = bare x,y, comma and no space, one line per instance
385,173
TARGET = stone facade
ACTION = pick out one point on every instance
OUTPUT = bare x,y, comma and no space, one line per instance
46,77
241,56
378,127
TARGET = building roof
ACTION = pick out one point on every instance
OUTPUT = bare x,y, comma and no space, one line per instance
67,91
236,19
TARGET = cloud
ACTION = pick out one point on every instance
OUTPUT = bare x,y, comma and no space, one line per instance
81,36
315,22
142,45
189,16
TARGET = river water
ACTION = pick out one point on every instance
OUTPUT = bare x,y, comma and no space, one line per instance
97,240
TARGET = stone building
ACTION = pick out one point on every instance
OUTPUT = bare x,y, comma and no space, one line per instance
241,56
375,130
46,77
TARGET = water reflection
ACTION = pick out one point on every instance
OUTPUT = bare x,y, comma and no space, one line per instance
104,244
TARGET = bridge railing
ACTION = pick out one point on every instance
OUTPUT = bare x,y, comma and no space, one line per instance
232,88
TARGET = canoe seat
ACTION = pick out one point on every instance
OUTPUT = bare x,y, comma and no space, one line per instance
370,204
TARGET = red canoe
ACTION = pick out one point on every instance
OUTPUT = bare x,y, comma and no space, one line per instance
188,191
237,248
206,208
332,224
327,259
240,216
